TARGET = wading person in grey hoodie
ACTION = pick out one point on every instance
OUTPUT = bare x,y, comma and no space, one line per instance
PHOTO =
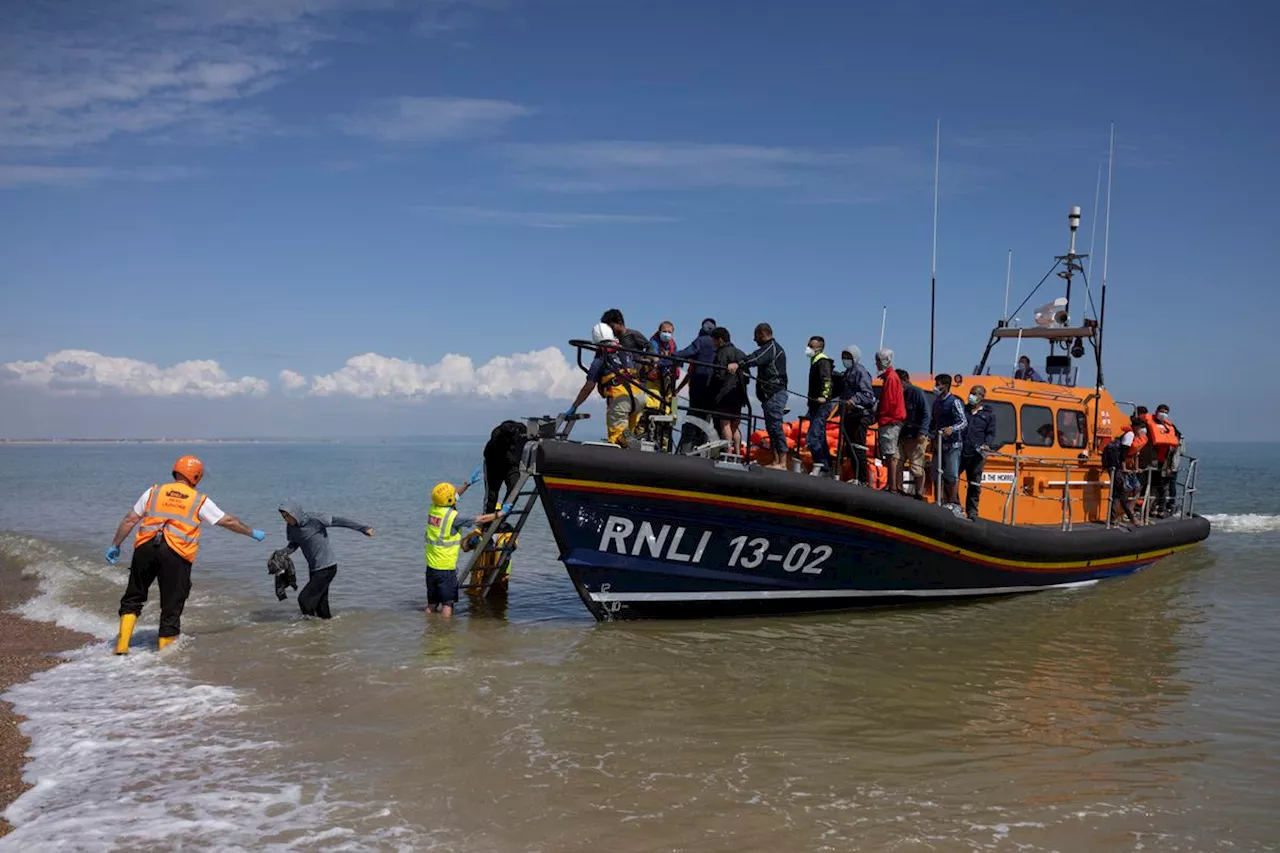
310,532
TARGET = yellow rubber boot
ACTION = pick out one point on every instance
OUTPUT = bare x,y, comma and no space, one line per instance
166,641
127,621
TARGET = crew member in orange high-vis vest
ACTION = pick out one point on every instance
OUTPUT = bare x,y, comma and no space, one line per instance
165,547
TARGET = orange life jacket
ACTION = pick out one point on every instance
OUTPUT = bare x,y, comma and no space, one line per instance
1162,435
174,510
1139,442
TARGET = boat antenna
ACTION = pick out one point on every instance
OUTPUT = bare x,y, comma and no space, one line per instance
1102,313
933,268
884,317
1008,277
1093,226
1106,248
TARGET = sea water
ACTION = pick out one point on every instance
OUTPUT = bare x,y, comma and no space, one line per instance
1141,713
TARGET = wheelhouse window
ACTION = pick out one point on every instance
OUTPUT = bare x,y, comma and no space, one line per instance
1037,426
1006,423
1071,428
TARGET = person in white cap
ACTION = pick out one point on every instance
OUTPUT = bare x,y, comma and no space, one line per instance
613,374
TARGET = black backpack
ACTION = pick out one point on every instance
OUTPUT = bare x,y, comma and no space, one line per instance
1113,455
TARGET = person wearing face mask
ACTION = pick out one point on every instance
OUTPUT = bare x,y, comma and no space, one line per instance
702,351
662,378
858,398
949,424
1133,460
820,403
770,364
979,438
891,412
1165,439
1026,371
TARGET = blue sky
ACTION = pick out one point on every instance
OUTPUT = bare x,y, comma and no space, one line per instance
274,188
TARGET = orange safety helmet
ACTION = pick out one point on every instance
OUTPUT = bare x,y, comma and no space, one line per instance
189,467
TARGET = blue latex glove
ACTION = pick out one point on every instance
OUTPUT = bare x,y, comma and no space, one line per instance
259,535
571,411
476,475
113,554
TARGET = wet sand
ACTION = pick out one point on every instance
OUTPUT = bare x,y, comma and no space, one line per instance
26,648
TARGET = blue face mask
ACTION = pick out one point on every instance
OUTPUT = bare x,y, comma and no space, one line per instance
665,337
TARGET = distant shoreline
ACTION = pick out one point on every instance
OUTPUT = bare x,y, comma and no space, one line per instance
169,440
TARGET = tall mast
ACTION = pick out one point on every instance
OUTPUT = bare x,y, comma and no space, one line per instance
933,267
1106,249
1008,278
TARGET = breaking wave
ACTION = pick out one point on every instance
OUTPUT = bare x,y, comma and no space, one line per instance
1245,522
131,752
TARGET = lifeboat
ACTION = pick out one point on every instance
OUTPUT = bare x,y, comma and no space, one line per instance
714,532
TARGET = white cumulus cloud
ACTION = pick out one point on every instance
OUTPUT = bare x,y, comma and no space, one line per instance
85,372
292,380
369,376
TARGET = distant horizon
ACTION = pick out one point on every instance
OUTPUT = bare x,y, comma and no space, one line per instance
375,438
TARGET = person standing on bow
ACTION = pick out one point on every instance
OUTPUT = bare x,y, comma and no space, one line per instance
891,412
612,373
979,439
662,379
703,352
915,432
310,532
820,404
169,518
770,364
728,389
858,399
949,423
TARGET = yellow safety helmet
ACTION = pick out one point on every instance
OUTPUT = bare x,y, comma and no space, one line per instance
444,494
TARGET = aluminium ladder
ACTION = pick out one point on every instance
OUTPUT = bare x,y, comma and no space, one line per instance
518,503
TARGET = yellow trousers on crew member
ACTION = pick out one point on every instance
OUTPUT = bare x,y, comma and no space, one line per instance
622,414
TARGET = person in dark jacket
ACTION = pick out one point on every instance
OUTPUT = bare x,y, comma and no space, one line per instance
858,398
703,351
728,388
770,364
979,439
310,532
948,422
661,381
1026,371
820,403
915,432
502,461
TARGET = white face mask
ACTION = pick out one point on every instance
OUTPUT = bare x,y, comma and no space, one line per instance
848,363
1162,416
973,399
810,352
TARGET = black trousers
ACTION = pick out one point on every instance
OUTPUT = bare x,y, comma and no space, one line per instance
314,598
853,427
498,473
155,560
972,464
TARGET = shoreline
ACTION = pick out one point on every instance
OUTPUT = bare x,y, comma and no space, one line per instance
26,647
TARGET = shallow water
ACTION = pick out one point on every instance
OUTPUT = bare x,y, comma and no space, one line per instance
1142,713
